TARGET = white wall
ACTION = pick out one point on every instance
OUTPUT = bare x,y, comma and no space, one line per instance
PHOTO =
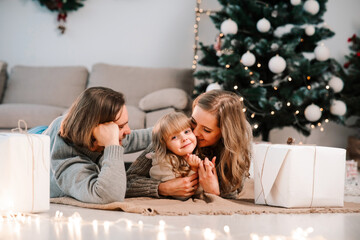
151,33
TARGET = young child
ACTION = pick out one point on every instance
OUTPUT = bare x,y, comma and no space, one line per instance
174,144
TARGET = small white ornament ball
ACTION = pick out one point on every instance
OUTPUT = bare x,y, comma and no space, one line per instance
274,46
312,113
219,53
295,2
248,59
338,108
213,86
277,64
263,25
322,53
312,7
336,84
229,27
309,30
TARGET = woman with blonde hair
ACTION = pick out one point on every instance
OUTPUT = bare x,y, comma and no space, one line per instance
223,135
88,145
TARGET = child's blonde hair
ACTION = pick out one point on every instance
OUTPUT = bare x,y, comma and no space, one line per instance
168,125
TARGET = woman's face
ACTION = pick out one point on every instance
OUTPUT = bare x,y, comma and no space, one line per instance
205,127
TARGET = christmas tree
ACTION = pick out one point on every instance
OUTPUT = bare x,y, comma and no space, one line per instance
351,90
271,54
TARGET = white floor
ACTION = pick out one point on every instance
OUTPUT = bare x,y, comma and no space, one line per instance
68,222
63,222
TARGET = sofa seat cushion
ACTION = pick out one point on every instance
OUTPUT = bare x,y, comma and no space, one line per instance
33,114
136,82
136,117
56,86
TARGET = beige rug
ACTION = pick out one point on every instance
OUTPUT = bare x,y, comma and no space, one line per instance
211,205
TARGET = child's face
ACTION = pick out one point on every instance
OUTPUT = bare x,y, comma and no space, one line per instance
181,143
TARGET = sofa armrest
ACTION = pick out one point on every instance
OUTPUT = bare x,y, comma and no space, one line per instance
3,78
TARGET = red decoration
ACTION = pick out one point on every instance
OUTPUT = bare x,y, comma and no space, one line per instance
62,7
352,38
62,16
217,45
346,65
358,54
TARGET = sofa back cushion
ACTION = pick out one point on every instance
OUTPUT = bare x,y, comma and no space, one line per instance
57,86
136,82
3,77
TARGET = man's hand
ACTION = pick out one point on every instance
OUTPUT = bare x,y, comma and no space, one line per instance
106,134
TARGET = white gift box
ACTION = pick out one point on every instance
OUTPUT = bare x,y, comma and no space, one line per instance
298,175
24,172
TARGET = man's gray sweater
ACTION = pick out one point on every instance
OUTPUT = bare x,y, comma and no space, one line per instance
93,177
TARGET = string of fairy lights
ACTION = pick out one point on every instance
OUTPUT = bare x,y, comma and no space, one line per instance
275,84
74,226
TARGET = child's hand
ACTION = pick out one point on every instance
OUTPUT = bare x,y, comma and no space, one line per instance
193,161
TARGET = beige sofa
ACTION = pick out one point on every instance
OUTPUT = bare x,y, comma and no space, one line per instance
40,94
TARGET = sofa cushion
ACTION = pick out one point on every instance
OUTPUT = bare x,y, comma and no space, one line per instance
57,86
153,117
168,97
33,114
136,117
3,77
136,82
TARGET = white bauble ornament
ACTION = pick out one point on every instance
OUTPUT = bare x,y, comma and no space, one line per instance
312,113
309,30
312,7
213,86
338,108
274,46
263,25
229,27
336,84
322,53
277,64
295,2
248,59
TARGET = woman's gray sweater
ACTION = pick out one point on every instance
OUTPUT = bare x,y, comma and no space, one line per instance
93,177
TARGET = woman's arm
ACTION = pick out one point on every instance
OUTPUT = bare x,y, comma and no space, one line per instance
139,183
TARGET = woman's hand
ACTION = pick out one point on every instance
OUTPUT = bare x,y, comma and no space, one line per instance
193,161
208,177
106,134
179,187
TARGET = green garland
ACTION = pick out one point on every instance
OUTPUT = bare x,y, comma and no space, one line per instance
62,7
